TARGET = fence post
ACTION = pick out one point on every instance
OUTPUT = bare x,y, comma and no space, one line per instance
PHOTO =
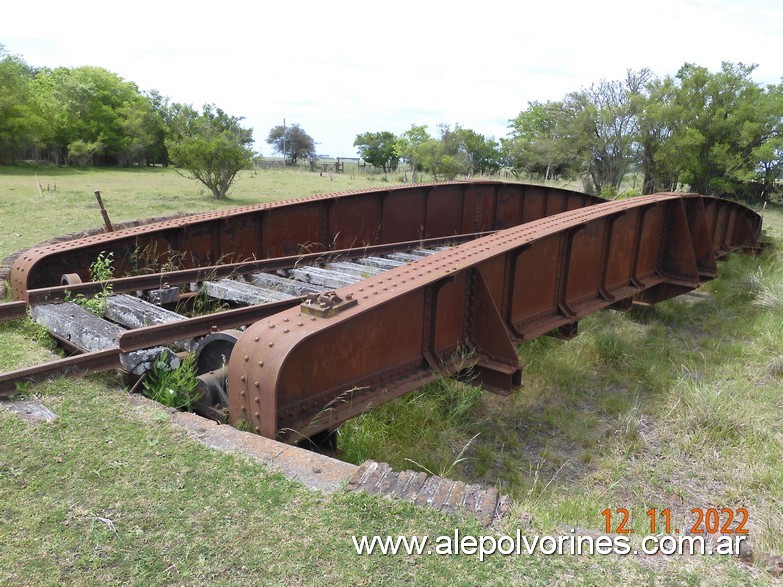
104,213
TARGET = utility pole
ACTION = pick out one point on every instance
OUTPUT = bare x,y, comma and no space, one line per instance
284,142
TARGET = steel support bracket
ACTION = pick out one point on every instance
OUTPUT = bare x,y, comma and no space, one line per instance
498,368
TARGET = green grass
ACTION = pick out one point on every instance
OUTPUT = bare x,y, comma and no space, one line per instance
67,201
674,406
110,493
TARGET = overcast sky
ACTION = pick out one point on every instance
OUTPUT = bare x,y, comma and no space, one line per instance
345,67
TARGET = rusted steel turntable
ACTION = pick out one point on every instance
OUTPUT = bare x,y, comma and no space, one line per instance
344,301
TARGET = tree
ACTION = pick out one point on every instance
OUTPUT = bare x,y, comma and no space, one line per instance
769,149
483,154
212,146
593,131
158,128
139,124
93,106
377,148
292,142
82,152
658,158
20,125
413,147
607,112
458,151
722,118
97,103
448,157
720,133
542,141
53,109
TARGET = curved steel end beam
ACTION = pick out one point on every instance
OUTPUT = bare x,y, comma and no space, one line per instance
310,368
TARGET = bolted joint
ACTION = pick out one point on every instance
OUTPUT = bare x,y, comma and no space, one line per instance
327,304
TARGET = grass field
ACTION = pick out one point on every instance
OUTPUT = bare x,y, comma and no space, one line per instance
678,407
66,201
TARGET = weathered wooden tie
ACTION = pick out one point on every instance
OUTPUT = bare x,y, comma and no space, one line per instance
282,284
89,333
246,293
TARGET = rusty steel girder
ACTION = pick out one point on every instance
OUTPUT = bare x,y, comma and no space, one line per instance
313,224
310,368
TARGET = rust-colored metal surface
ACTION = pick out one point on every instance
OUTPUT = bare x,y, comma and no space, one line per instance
309,368
314,224
12,310
523,261
97,362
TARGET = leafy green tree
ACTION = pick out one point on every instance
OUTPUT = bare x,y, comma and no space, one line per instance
606,112
377,149
142,126
718,127
98,102
414,147
21,127
483,154
719,132
212,147
768,151
443,159
157,127
657,155
53,109
292,142
82,152
461,151
541,141
457,151
90,105
446,158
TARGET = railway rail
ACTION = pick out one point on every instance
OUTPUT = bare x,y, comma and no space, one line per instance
341,302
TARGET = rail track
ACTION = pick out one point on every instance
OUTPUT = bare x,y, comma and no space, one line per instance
338,303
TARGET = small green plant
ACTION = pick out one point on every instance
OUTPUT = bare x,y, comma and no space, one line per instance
175,388
243,425
102,269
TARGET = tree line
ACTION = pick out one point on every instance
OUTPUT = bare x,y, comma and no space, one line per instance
79,116
713,132
452,152
89,116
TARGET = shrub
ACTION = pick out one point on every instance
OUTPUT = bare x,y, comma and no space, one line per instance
175,388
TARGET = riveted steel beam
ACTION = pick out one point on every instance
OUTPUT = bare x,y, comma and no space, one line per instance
298,373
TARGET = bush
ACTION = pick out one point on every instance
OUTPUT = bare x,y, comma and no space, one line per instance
175,388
